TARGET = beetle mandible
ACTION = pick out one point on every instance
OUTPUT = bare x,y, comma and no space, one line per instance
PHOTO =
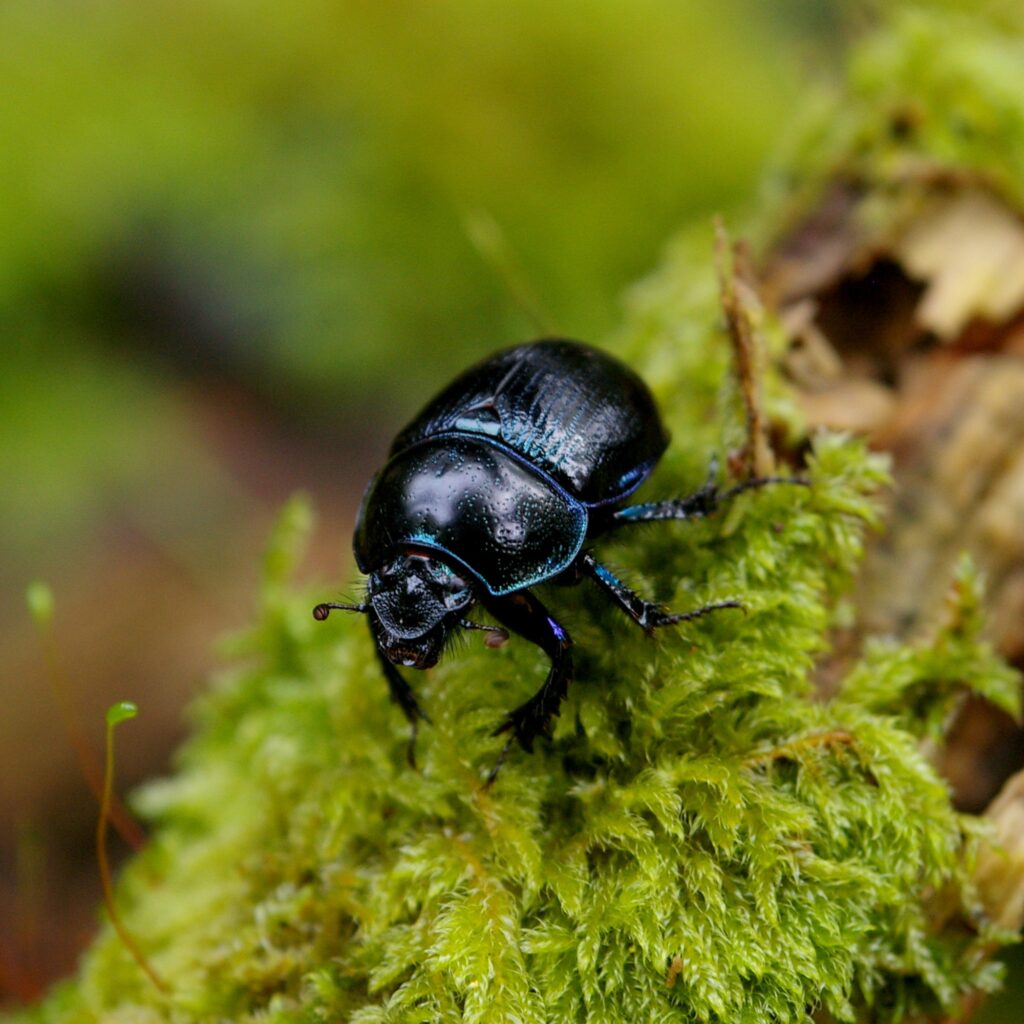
500,483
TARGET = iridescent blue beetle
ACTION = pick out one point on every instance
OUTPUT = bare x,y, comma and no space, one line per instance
500,483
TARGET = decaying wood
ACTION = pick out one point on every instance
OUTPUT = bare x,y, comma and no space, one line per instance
905,315
999,876
906,322
970,250
1000,872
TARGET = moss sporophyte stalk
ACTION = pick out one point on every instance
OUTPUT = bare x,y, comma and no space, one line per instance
705,837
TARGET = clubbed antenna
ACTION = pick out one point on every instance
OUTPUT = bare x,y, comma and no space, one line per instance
498,637
321,611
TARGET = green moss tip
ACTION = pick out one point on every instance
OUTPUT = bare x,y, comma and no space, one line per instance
122,711
40,601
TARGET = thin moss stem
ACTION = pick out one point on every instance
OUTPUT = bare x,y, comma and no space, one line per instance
118,713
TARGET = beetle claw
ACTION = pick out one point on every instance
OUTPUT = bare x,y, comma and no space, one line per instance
674,618
516,724
493,773
410,752
763,481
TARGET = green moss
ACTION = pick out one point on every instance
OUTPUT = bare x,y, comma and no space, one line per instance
701,840
932,100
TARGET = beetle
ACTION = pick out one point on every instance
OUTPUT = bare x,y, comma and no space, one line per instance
500,483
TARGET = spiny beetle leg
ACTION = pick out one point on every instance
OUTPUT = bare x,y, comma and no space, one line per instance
522,613
646,614
402,695
762,481
702,503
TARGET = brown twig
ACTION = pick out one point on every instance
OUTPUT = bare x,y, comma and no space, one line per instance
833,737
742,307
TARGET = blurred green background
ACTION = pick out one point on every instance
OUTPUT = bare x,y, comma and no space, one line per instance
239,242
290,204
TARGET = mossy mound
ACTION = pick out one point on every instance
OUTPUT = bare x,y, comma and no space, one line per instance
702,839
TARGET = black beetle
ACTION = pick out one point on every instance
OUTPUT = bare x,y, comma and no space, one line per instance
498,484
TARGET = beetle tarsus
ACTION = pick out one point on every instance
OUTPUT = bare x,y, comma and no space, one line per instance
534,717
700,504
402,695
493,773
522,613
665,618
531,719
646,614
762,481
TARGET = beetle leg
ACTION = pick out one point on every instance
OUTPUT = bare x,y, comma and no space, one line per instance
646,614
402,695
522,613
697,506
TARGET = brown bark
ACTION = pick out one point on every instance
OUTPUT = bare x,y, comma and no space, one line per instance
908,327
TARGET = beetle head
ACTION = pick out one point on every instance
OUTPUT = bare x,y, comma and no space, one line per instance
415,601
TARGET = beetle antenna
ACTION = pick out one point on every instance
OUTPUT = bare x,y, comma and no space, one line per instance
498,638
321,611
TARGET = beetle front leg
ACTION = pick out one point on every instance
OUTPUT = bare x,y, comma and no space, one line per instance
522,613
646,614
402,695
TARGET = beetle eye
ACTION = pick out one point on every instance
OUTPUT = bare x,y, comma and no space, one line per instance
454,589
440,570
456,598
446,576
